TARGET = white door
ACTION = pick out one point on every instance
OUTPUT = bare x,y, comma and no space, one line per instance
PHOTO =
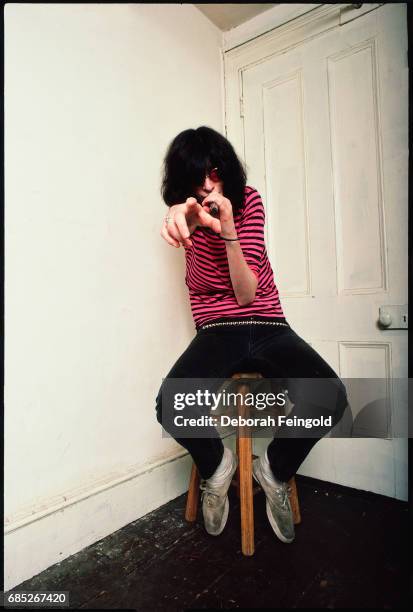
323,130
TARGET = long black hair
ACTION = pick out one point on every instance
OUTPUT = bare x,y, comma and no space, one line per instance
192,154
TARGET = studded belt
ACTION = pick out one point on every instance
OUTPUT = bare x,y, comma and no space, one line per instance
246,322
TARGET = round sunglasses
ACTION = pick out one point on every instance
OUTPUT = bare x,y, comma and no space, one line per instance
213,174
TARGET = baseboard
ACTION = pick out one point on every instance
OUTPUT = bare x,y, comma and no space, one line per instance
46,536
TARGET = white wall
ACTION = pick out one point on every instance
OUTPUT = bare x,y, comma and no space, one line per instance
96,308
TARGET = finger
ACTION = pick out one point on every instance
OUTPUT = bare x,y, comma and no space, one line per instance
174,231
208,221
170,234
181,224
193,208
207,210
212,209
191,205
167,237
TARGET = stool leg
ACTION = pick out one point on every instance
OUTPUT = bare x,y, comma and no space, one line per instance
237,473
245,481
246,498
193,495
295,507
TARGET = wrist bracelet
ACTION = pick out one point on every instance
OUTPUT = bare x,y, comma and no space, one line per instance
228,238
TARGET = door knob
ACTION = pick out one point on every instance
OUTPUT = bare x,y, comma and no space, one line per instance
385,318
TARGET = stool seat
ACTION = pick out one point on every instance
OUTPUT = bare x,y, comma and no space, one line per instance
243,479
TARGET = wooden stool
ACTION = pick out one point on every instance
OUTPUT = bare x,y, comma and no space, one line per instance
243,479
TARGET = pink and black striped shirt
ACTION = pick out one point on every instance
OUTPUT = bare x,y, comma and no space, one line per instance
207,272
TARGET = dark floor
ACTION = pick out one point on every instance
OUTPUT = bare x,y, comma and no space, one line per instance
350,551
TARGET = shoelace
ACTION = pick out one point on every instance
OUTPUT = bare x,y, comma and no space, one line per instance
282,493
211,496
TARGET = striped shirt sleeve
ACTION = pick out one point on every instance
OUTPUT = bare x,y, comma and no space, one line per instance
251,232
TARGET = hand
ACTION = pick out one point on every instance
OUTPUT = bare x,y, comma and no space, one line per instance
223,204
176,230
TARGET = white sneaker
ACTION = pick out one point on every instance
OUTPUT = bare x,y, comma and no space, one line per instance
215,504
278,505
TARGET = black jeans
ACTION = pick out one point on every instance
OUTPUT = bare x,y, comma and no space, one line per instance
275,352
